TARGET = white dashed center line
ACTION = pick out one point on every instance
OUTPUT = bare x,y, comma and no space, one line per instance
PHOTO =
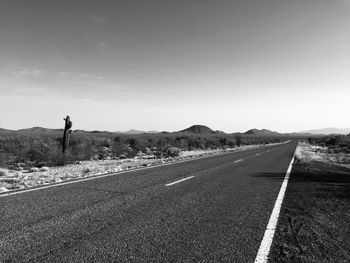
179,181
240,160
257,154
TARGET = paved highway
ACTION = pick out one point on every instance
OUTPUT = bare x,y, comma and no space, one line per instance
213,209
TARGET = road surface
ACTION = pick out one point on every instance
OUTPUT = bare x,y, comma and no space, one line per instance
213,209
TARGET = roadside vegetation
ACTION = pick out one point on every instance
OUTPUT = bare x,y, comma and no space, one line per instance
335,143
45,149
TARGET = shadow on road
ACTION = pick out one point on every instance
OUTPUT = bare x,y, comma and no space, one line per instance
272,176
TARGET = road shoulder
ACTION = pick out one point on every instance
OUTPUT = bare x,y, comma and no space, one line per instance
314,221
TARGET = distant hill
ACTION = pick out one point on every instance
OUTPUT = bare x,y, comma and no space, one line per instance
135,132
328,131
5,130
198,129
38,130
261,132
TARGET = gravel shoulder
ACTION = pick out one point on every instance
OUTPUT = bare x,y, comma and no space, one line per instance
315,215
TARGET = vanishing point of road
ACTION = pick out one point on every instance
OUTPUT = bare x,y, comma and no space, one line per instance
212,209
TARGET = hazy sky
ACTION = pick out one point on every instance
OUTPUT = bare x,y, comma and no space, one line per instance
165,65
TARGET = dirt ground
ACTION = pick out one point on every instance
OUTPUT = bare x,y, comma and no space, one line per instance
314,224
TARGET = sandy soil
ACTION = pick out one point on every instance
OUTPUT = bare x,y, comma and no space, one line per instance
306,152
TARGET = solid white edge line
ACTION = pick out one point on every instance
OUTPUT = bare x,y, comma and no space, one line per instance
265,246
240,160
179,181
73,181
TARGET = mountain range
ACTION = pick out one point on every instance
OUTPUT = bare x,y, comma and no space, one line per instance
328,131
194,129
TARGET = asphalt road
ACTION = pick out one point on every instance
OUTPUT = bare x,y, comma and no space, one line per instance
218,214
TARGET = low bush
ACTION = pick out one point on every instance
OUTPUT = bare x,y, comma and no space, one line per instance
171,151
